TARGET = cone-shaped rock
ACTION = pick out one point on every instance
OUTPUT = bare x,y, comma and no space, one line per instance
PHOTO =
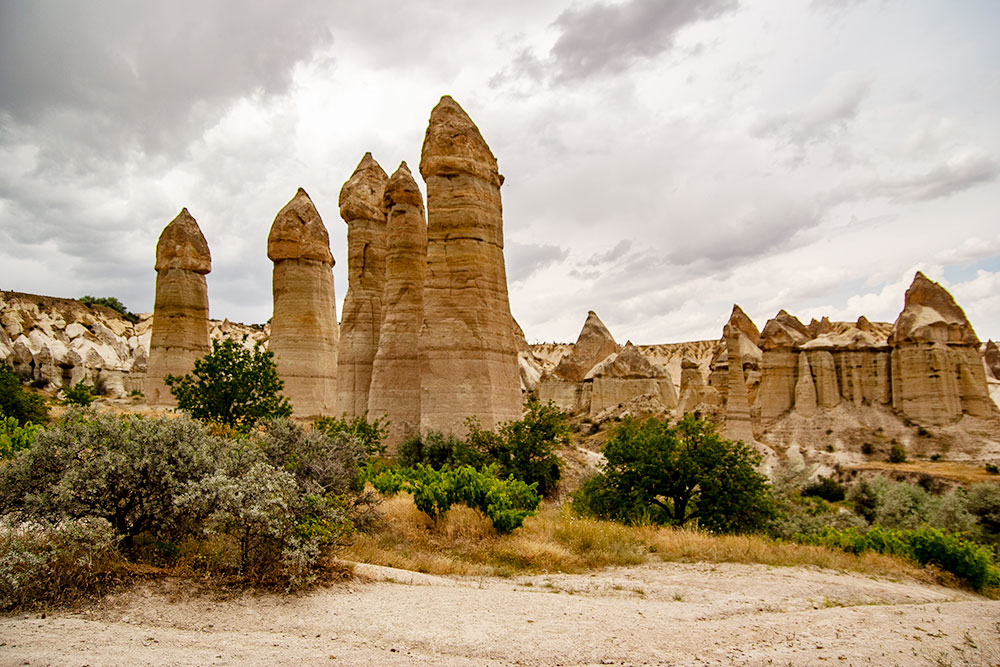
738,425
594,344
361,208
180,312
468,351
627,375
395,383
805,389
937,373
304,324
749,354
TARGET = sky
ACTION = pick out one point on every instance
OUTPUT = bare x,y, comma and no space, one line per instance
663,159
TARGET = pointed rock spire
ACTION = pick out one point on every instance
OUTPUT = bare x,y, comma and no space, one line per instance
805,389
182,246
594,344
298,232
454,145
930,314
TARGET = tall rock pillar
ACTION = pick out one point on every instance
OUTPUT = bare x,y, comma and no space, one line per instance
468,350
304,325
395,379
180,313
361,209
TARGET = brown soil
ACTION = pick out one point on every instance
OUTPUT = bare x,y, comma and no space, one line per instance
666,613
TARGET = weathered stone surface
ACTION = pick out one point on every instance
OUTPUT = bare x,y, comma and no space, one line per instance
361,208
594,344
779,340
991,357
395,385
627,375
692,386
468,351
304,331
805,389
180,311
937,375
738,425
568,396
747,349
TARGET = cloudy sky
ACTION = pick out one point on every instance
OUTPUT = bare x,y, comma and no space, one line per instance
664,159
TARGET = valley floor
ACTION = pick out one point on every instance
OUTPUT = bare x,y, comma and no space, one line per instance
662,613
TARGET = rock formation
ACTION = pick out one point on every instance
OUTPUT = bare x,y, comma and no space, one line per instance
361,208
180,311
805,389
395,382
748,352
694,391
565,384
738,425
627,375
304,324
468,351
937,373
779,340
991,357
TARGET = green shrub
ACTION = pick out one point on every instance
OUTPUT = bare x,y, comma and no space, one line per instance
81,394
825,488
983,501
891,504
43,563
506,503
897,453
676,474
992,469
14,438
17,403
367,434
110,302
232,385
867,449
437,450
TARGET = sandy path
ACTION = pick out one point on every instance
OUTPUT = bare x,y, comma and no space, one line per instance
686,614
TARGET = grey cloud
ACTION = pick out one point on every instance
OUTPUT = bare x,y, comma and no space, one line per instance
836,104
616,252
956,175
523,260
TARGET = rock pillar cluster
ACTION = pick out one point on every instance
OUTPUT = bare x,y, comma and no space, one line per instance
395,379
778,341
180,311
362,210
304,330
468,350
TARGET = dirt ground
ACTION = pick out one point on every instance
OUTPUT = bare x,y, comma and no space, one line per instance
656,614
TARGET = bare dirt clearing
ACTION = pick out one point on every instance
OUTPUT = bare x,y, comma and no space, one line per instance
665,613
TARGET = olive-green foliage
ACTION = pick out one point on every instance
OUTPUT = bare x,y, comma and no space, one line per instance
109,302
968,561
983,501
127,471
56,562
897,454
525,448
825,488
367,434
676,474
437,450
232,385
505,502
14,438
81,394
17,403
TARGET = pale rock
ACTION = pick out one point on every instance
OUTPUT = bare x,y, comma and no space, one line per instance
304,331
571,397
627,375
805,389
824,371
395,384
75,330
180,311
361,207
468,350
738,425
594,344
991,357
779,341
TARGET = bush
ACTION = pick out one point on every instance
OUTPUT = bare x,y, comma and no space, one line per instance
57,563
367,434
825,488
891,504
867,449
675,474
971,563
81,394
14,438
15,402
110,302
232,385
525,448
506,503
437,450
992,469
897,453
983,502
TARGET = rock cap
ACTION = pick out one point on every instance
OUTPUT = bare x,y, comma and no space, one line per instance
783,331
298,232
930,314
402,189
453,145
361,196
183,246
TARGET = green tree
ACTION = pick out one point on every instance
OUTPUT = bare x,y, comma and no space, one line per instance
233,385
15,402
109,302
675,474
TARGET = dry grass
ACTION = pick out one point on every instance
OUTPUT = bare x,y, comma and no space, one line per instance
958,471
464,543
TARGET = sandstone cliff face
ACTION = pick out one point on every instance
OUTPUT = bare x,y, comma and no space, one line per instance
738,425
395,384
749,354
361,208
180,312
594,344
304,331
468,351
627,375
937,374
779,340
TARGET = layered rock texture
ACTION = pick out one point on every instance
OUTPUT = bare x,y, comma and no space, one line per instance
304,331
626,376
564,384
395,381
180,312
468,346
362,209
